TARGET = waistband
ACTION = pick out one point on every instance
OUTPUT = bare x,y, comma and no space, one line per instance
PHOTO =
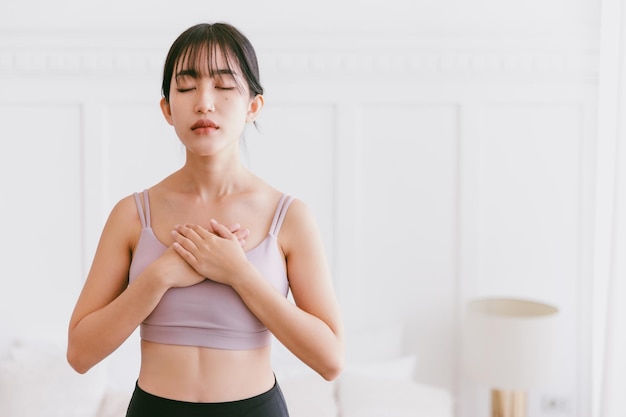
143,402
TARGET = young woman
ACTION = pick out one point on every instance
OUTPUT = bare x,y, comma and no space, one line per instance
206,295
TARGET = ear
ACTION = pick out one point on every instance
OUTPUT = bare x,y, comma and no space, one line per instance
167,111
254,108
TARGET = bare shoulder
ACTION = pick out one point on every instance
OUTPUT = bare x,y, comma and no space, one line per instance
299,215
299,228
126,208
127,211
124,224
298,212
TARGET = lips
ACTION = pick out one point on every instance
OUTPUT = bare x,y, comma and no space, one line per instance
204,124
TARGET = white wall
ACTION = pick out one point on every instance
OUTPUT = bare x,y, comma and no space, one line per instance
446,147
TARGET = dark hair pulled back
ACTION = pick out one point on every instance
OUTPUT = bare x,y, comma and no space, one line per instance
195,49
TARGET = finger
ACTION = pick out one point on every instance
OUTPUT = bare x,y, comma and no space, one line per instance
221,230
186,238
185,254
200,231
192,232
242,234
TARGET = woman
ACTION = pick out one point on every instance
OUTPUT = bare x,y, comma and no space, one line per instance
207,296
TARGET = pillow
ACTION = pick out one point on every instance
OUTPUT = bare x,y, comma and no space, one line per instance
374,343
360,396
401,368
36,381
309,395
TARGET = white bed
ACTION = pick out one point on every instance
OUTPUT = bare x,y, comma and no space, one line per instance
376,387
363,395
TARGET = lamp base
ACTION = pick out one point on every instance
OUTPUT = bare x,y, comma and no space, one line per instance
508,403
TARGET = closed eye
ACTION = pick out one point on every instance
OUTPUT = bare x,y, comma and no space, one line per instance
184,90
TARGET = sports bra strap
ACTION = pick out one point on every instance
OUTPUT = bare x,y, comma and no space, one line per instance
146,199
281,212
277,222
145,219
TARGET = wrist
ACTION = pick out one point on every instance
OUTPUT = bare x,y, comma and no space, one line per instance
156,279
244,276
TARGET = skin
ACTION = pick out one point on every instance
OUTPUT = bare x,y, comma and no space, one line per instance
190,210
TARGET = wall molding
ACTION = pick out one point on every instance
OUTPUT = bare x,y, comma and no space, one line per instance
414,56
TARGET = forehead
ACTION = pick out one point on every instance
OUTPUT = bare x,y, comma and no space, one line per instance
206,60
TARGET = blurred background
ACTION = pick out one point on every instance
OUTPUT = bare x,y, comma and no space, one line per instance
450,150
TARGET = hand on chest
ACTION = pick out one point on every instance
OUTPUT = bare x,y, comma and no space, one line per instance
239,218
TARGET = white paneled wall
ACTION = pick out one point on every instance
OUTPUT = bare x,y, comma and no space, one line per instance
41,214
406,230
440,167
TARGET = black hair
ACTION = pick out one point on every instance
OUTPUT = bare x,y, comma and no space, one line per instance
195,50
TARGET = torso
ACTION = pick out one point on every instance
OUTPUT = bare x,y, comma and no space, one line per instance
202,374
199,374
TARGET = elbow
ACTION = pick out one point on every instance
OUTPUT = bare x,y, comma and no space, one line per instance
333,369
334,363
76,361
77,365
331,374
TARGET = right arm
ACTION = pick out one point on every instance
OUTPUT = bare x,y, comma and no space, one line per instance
108,310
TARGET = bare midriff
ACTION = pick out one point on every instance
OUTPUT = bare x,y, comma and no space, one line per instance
200,374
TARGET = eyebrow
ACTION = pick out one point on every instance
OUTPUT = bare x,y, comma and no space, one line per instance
194,74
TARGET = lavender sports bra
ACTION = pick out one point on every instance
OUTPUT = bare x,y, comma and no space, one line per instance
209,314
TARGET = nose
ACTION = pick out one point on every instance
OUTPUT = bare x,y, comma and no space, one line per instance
206,101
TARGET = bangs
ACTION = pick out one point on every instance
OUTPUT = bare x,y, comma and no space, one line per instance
201,59
214,50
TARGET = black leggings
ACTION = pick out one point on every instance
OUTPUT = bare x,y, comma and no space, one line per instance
269,404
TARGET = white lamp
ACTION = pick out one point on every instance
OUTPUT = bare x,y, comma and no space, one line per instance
508,346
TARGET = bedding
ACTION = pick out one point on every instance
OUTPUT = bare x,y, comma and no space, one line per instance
36,381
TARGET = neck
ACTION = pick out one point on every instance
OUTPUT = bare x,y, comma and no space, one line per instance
213,178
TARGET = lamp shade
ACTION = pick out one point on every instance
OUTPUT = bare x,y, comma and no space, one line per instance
508,343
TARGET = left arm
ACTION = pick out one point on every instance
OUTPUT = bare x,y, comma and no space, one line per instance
312,328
